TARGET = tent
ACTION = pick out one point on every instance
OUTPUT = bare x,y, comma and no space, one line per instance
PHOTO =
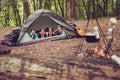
41,19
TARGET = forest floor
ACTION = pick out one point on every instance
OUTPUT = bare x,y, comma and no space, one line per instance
64,48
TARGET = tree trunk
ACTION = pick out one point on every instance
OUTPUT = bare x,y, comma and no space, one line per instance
61,8
70,9
16,12
55,4
47,5
79,9
56,7
0,4
87,10
112,2
100,8
34,5
6,14
105,7
40,4
94,15
118,9
73,9
26,8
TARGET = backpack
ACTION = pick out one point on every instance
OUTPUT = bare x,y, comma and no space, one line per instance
11,38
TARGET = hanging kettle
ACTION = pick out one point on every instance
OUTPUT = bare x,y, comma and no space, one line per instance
91,37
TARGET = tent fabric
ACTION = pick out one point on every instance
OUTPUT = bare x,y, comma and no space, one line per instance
53,38
41,19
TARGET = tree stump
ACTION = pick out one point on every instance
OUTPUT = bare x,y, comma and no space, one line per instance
4,49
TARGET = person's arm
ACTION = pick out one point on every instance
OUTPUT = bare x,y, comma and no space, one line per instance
46,34
26,38
55,32
63,33
30,35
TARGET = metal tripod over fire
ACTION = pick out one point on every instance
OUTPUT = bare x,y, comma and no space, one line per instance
98,34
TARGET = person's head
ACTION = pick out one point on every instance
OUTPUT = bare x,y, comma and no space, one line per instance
59,28
50,30
32,31
42,31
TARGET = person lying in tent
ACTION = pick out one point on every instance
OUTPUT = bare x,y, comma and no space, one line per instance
29,36
59,31
33,34
42,33
49,32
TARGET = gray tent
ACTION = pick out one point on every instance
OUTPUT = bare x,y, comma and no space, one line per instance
41,19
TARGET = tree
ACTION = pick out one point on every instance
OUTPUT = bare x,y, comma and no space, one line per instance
0,4
117,9
87,8
26,8
61,5
34,5
5,14
78,8
55,5
16,12
40,4
103,8
47,4
70,9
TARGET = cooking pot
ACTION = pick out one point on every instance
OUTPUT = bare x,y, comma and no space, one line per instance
91,37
